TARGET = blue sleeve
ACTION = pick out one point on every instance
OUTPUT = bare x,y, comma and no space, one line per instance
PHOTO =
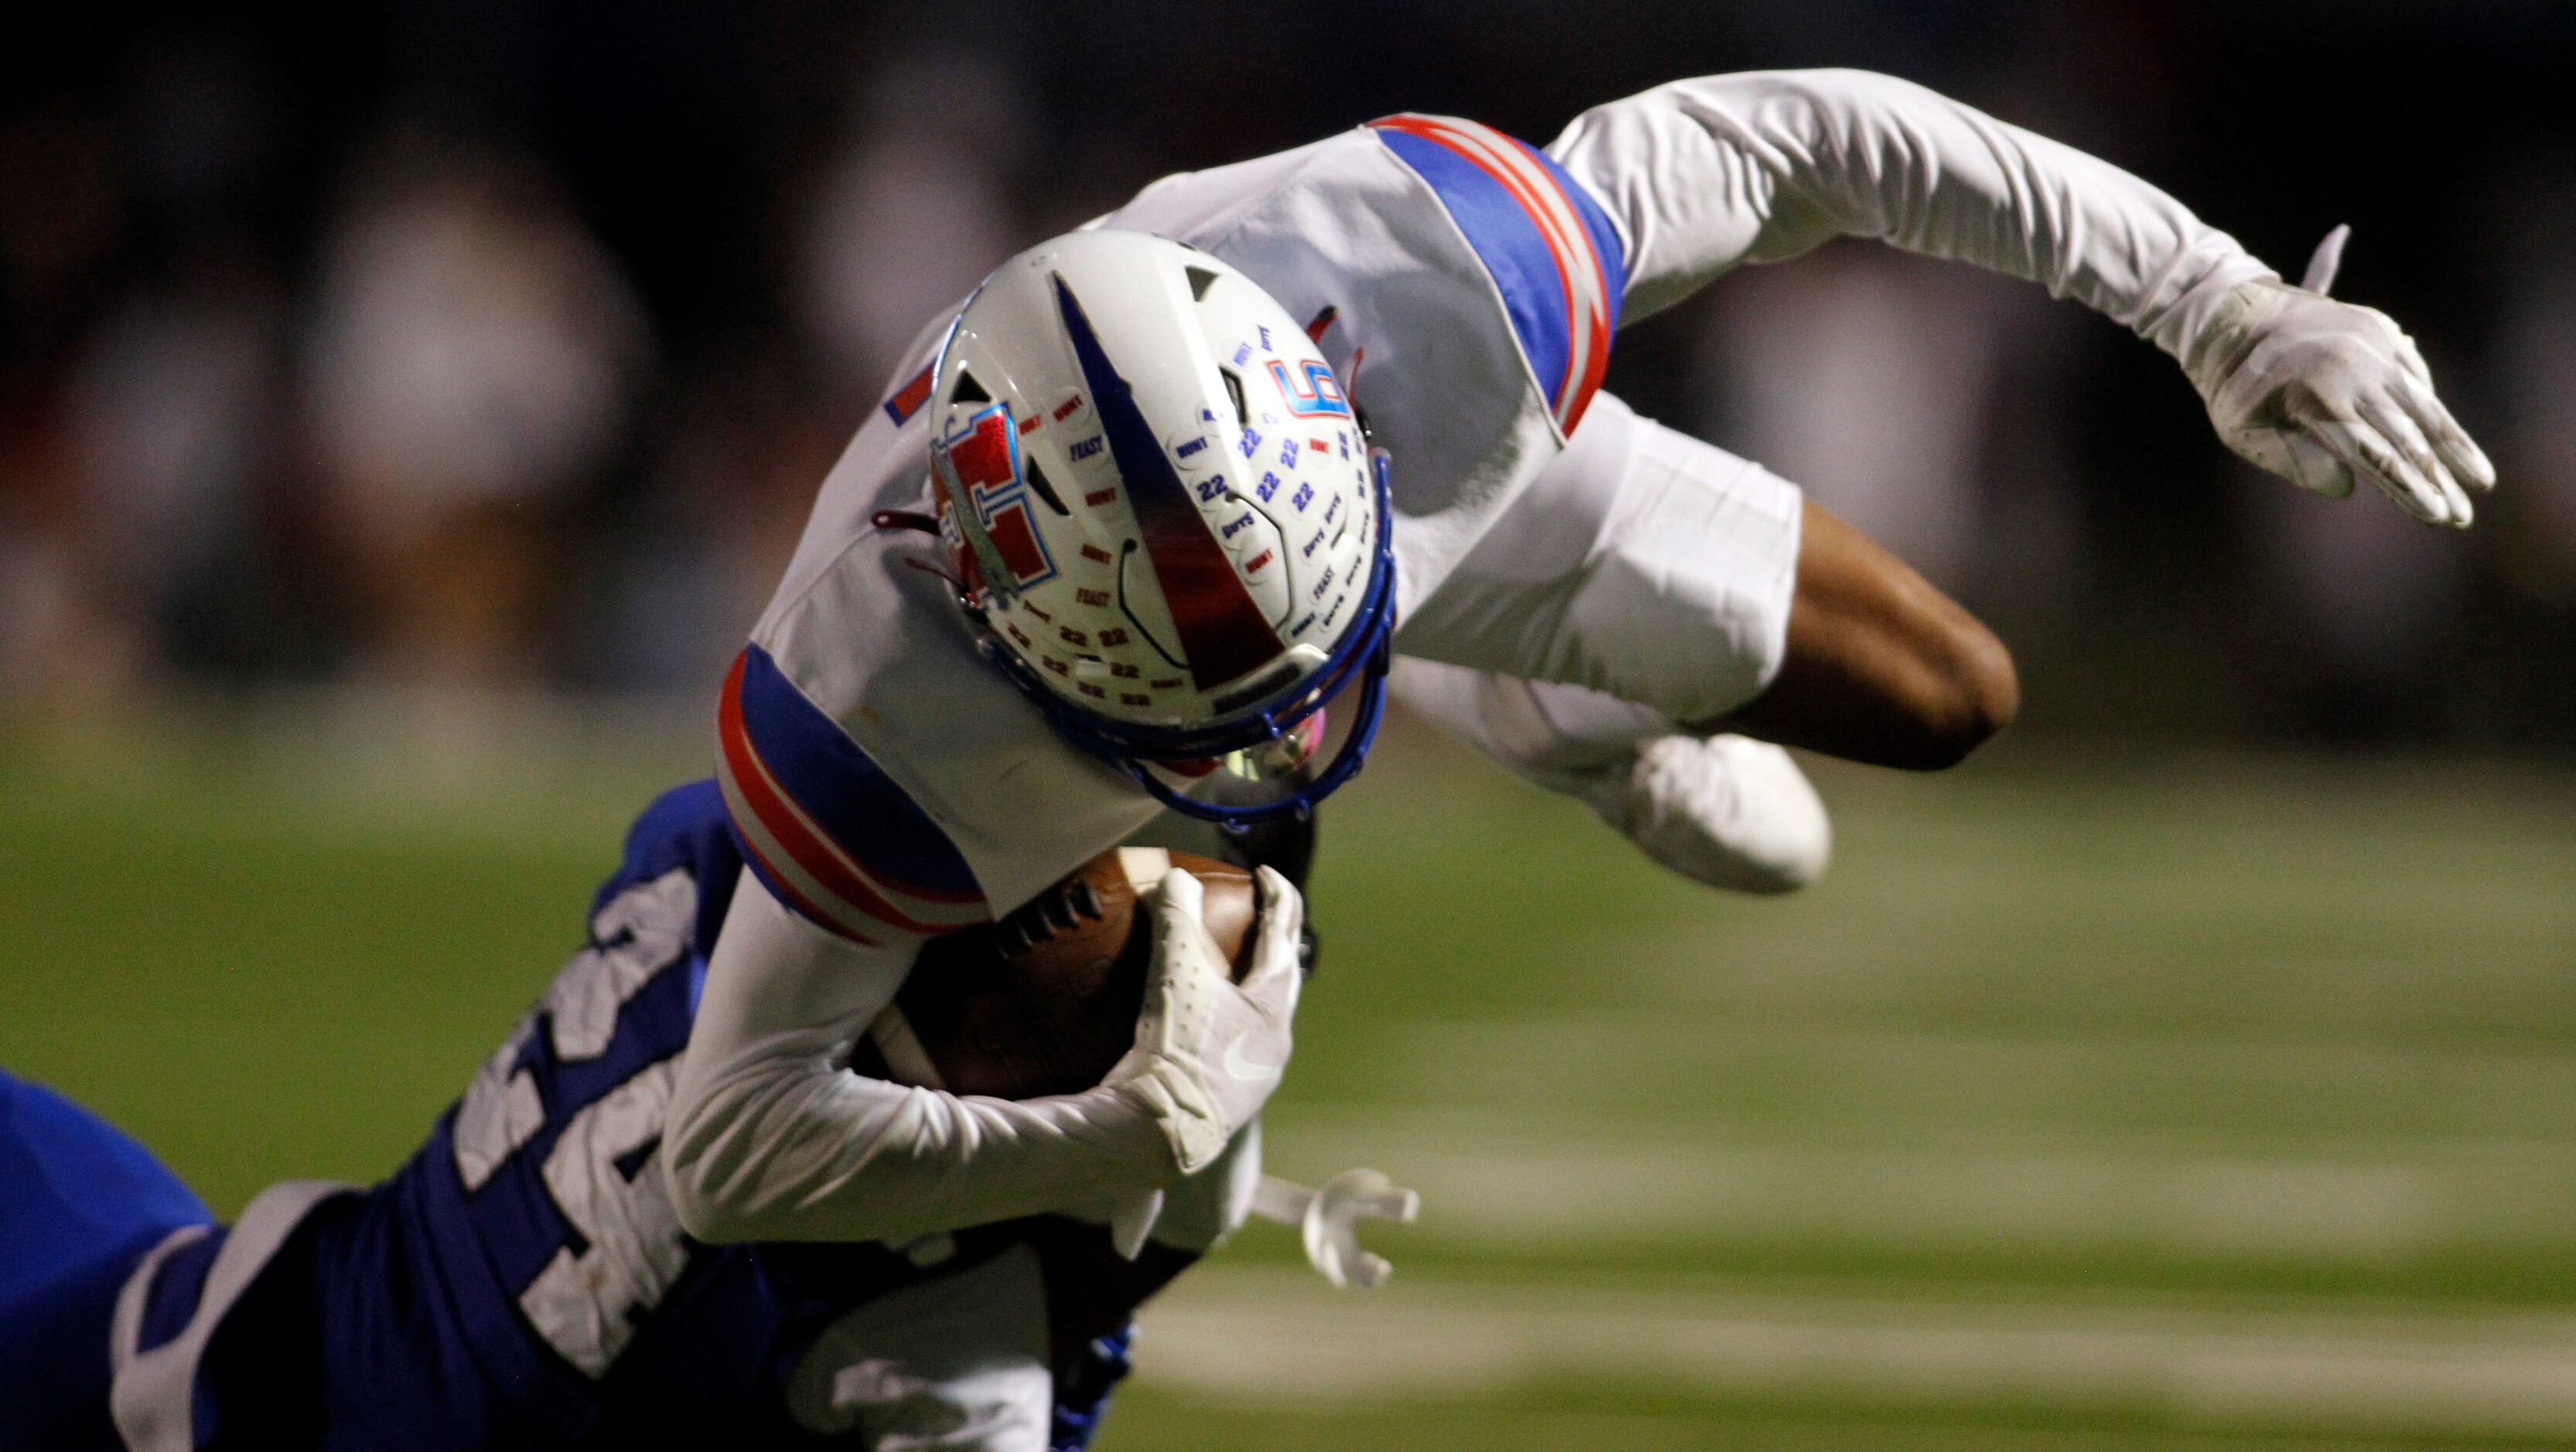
80,1204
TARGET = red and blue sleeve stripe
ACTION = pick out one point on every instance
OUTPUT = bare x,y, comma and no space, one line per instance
827,831
1547,244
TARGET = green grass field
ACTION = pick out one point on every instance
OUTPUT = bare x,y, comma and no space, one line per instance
2092,1101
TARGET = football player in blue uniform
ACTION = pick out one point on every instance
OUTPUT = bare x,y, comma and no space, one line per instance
523,1283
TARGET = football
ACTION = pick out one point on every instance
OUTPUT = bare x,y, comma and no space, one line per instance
1045,1000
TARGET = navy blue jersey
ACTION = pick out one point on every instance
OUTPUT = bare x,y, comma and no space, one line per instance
523,1281
522,1284
525,1274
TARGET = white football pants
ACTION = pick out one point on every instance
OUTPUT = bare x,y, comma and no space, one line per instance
1643,579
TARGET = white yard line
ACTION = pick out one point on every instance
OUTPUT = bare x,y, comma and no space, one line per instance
1277,1334
1795,1072
1487,1180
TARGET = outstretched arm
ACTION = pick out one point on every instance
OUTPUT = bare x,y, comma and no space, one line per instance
1705,174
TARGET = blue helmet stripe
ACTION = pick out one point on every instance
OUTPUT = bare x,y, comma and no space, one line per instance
1223,633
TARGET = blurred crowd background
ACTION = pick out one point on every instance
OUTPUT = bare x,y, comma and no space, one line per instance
500,344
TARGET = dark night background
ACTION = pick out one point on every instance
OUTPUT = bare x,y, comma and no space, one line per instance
721,213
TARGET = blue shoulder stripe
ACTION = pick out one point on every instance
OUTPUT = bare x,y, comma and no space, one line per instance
1506,241
1552,252
861,809
1604,237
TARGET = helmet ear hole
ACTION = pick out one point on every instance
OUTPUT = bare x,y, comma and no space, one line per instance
1234,390
1046,491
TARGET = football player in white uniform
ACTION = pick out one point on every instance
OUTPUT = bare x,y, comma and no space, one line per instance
1146,522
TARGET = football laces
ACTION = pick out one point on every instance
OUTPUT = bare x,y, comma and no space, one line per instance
1060,909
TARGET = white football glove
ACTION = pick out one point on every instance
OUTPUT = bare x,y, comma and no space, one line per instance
1208,1050
1328,1220
2323,393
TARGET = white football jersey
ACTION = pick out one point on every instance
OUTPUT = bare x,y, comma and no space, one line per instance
1465,287
886,782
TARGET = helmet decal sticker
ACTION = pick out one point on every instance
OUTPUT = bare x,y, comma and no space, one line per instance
984,459
906,401
1317,394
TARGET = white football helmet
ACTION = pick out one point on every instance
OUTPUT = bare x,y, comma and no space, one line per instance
1164,515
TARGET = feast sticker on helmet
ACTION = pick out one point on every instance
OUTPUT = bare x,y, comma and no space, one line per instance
1165,521
1223,634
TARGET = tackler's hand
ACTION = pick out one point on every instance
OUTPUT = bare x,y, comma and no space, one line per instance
1209,1050
1328,1220
2324,393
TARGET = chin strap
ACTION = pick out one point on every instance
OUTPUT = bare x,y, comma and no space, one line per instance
1300,804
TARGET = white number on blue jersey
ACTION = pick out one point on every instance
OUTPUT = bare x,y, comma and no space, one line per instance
599,1171
501,1110
585,1305
641,931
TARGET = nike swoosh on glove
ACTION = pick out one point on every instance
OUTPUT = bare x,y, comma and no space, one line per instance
2323,393
1209,1050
